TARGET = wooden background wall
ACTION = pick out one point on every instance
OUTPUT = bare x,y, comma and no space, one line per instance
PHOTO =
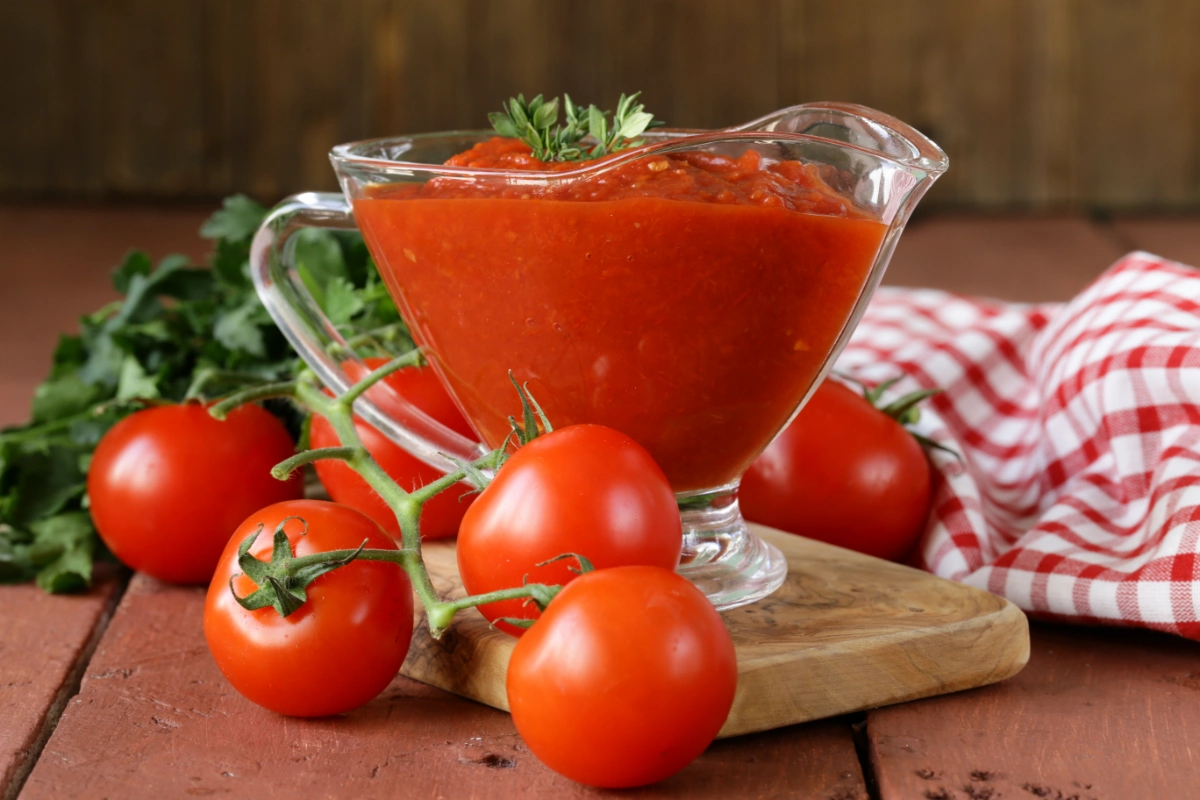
1040,103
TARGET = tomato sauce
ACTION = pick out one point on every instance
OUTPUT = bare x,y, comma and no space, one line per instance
687,300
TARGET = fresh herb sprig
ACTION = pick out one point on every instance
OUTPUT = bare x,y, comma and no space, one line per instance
536,123
179,332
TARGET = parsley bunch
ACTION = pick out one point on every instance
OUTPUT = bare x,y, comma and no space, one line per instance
180,332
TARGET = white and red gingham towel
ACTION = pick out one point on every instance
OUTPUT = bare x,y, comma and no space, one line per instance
1079,425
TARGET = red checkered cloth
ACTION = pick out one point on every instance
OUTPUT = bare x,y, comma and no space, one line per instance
1078,497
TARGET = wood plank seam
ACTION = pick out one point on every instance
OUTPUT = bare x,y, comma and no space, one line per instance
862,749
66,693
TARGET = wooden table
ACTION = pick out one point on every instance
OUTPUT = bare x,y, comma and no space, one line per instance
113,694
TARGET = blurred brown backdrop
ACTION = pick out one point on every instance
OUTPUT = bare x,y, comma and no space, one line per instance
1041,104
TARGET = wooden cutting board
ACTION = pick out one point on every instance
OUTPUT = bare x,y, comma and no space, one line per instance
845,632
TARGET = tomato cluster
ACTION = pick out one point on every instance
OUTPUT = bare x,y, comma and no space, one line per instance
628,673
333,641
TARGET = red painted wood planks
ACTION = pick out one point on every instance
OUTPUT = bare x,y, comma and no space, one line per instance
56,267
44,642
1174,237
1098,714
1011,257
156,719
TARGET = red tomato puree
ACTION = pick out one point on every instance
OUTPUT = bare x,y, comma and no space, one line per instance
687,300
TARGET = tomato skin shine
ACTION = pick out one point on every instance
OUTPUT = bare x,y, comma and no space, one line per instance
347,642
441,516
583,489
168,485
845,473
625,679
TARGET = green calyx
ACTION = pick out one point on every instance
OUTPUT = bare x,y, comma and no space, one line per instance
585,565
535,122
905,410
527,430
283,581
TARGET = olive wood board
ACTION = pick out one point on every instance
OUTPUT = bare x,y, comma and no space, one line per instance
845,632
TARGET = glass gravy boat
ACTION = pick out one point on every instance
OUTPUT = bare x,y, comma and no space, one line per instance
697,328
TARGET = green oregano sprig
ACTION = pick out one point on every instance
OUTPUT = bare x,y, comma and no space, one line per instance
536,123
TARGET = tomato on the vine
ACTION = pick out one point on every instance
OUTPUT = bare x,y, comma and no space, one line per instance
441,516
584,489
342,647
625,679
168,485
843,472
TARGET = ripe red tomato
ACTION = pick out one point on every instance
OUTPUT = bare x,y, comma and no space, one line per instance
845,473
583,489
168,485
341,648
625,679
440,517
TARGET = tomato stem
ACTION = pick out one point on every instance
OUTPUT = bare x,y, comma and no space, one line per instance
284,469
905,410
531,413
205,376
425,493
264,392
390,333
440,613
289,574
405,505
408,512
410,359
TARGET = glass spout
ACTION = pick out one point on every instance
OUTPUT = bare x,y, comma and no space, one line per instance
859,127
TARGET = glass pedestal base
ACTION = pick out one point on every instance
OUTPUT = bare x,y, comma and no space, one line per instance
727,562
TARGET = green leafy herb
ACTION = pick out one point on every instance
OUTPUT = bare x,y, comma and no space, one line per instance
179,332
587,133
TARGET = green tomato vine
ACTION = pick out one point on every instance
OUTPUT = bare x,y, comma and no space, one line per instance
283,580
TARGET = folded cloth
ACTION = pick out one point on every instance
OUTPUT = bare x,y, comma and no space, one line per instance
1078,493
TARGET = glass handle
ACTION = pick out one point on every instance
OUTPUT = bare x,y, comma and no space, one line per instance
315,338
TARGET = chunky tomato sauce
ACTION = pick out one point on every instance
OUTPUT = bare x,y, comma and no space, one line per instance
688,301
